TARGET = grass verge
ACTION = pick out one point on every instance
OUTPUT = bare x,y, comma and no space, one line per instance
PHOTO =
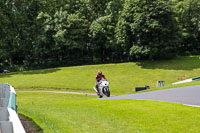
64,113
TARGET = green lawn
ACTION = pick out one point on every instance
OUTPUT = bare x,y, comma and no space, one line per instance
64,113
123,77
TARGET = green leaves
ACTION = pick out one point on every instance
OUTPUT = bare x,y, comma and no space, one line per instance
145,26
53,32
188,16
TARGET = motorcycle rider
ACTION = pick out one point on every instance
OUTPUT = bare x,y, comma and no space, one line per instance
98,79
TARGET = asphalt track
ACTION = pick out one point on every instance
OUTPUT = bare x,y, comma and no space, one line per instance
185,95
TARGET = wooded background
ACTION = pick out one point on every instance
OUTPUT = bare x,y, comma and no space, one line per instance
49,33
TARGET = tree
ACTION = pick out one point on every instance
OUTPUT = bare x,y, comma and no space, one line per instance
188,16
147,29
102,32
18,30
66,32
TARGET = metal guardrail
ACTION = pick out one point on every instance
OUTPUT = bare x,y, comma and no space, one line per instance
9,120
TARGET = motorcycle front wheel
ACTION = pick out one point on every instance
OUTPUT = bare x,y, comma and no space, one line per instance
108,93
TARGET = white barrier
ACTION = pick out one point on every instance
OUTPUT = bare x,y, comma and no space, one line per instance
12,123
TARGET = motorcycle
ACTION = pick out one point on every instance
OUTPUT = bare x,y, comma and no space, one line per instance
103,88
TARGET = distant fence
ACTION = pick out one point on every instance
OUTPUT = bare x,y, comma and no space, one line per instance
9,120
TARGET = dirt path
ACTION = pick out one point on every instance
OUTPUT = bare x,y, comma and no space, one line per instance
63,92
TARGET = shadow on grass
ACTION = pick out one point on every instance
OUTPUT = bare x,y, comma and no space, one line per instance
179,63
31,72
29,125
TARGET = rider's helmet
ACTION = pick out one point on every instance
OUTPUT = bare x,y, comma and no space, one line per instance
99,72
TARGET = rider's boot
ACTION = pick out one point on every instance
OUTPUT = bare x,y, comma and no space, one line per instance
97,91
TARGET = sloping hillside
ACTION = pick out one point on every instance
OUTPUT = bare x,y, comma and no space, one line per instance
123,77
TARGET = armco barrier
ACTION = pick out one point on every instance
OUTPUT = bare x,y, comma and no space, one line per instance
9,120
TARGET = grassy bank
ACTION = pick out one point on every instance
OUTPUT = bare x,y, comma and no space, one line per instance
123,77
64,113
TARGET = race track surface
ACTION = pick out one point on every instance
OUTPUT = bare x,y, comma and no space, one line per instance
184,95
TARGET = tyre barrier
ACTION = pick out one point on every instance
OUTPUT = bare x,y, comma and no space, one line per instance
9,120
142,88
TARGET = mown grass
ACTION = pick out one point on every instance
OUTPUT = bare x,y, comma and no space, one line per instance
123,77
64,113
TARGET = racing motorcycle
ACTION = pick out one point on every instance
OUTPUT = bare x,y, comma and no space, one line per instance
103,88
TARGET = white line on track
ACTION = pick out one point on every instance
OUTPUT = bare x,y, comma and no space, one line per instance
192,105
171,102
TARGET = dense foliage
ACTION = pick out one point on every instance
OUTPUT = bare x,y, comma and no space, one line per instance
36,33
